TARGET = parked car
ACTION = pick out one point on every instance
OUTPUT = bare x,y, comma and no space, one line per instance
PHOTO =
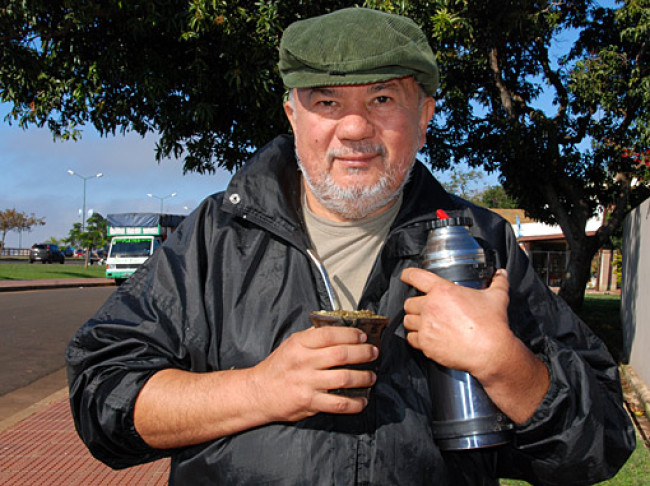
46,253
68,252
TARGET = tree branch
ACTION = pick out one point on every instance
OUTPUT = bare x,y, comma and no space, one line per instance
553,77
581,133
639,57
617,211
506,97
635,105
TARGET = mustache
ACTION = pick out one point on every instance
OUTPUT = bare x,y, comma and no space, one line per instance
352,149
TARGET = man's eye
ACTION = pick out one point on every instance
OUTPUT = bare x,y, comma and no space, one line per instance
382,99
326,103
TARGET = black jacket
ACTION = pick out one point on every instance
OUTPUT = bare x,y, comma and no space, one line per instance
234,281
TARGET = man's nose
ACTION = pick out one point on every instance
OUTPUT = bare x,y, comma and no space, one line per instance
355,125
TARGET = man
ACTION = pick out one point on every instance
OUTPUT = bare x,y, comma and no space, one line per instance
207,354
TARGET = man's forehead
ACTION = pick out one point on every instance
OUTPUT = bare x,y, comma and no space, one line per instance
391,84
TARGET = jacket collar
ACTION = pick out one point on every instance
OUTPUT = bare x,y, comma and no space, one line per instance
423,195
266,191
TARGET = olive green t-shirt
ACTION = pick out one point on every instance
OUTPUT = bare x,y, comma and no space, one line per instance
348,250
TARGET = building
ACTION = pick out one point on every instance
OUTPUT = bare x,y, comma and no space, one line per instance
548,249
635,305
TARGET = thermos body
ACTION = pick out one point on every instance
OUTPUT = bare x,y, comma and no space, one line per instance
464,417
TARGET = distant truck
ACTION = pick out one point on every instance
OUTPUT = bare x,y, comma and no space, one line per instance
134,238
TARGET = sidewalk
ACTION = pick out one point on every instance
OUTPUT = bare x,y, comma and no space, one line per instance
44,449
39,445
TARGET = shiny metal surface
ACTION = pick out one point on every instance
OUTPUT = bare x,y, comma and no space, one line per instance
331,294
464,417
451,245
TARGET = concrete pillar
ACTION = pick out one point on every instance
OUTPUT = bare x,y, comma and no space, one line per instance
605,270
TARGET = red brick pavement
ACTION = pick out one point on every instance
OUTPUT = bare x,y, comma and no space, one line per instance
44,449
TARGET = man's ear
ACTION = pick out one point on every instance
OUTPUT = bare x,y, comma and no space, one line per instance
291,114
426,114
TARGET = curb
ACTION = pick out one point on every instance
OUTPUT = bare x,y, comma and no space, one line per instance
32,409
14,286
641,391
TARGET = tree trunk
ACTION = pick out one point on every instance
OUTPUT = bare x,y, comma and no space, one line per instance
577,273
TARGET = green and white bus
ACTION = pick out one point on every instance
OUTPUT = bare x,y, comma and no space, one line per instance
134,238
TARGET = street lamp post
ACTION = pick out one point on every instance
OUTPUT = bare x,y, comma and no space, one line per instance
84,178
161,198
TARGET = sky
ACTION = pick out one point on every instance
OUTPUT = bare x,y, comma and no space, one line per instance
34,178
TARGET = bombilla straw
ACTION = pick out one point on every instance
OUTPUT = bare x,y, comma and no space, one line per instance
328,284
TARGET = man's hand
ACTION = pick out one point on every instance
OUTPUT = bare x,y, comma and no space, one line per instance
178,408
458,327
293,382
467,329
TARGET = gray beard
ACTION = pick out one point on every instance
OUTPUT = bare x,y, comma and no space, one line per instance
357,201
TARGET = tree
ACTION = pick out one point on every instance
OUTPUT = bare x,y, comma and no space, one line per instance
94,235
553,126
203,75
74,238
497,197
7,223
13,220
463,182
53,240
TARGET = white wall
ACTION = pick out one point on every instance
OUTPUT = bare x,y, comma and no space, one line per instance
635,298
541,229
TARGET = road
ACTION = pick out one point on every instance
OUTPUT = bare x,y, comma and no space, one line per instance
36,326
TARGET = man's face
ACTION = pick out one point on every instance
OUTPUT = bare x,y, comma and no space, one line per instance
357,144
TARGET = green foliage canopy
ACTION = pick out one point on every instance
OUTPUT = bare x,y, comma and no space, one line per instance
555,126
464,183
497,197
93,236
13,220
200,73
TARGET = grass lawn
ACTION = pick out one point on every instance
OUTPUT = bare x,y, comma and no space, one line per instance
37,271
602,313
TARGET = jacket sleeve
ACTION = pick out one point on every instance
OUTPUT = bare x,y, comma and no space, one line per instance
141,329
581,433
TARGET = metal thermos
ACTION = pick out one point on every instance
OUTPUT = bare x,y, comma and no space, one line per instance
464,417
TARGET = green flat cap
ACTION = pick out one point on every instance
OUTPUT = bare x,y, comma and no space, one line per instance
355,46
